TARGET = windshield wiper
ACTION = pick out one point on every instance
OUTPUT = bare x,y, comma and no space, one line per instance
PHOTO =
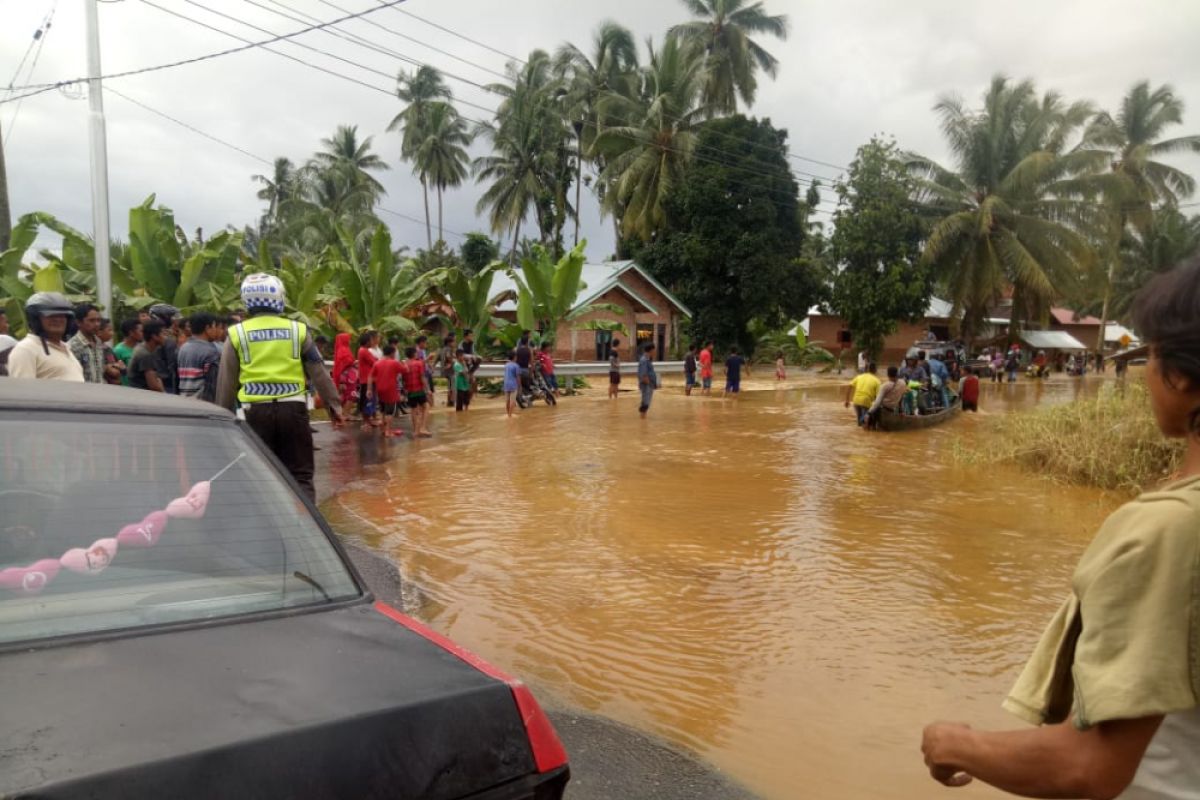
314,584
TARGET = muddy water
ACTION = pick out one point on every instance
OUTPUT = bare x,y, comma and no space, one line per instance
756,579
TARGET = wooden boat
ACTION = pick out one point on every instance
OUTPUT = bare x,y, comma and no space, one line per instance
891,421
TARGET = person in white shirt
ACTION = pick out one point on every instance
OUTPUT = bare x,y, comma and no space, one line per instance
44,353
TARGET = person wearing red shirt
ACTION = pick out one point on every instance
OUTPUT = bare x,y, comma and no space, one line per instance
414,385
383,381
968,387
547,362
706,372
366,362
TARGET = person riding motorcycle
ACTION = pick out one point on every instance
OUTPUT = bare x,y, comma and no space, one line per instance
44,353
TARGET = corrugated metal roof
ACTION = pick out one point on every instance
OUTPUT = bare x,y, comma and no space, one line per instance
937,309
1051,340
597,279
1065,316
1113,332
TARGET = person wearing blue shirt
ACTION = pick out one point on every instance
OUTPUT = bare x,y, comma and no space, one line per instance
940,376
647,378
512,381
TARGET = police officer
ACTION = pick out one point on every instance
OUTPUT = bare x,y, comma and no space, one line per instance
265,365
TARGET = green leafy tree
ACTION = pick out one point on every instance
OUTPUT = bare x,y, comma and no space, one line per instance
611,67
477,251
377,294
876,248
731,59
1133,142
277,190
732,254
345,155
1020,209
547,290
440,157
1170,239
420,91
469,298
647,155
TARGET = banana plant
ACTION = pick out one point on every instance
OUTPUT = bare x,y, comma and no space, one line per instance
165,265
547,290
469,298
305,281
378,295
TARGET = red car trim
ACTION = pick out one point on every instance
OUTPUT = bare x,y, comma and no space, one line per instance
548,751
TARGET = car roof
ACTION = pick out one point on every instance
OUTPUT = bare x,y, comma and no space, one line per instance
91,398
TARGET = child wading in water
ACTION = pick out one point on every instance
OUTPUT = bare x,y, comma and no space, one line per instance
512,381
1113,683
780,372
462,383
383,382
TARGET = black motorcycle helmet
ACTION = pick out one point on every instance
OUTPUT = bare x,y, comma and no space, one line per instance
165,312
43,304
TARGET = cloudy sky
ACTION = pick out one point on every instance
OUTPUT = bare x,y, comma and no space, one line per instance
849,69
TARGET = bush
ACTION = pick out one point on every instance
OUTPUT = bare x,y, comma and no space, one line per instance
1110,441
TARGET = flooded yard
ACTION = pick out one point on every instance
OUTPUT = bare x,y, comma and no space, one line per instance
756,580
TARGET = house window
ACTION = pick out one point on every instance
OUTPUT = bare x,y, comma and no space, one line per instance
603,345
645,334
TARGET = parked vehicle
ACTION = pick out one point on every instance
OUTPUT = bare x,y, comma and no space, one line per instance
178,621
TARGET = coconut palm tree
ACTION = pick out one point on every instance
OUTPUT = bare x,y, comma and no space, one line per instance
420,91
352,159
645,157
722,37
527,166
440,157
276,190
1133,141
611,67
1168,240
1016,212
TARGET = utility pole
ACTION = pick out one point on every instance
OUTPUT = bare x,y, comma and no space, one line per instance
5,213
99,160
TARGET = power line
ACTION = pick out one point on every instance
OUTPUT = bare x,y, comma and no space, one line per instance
522,61
39,36
486,109
36,89
249,154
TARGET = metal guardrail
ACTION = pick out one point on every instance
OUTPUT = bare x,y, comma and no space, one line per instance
495,369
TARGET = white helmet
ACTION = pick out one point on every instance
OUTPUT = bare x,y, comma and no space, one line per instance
262,291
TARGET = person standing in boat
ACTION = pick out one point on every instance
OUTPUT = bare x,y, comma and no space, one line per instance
890,397
1114,683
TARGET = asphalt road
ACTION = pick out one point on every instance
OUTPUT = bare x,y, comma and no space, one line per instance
608,760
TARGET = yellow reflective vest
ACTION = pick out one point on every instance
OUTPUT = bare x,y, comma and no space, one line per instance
271,366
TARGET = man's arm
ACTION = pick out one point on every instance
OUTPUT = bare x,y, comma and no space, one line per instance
22,363
878,402
318,376
228,376
1053,761
154,380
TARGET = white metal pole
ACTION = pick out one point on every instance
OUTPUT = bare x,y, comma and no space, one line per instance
99,160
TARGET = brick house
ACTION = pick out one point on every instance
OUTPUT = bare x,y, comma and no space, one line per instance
832,332
648,311
1085,329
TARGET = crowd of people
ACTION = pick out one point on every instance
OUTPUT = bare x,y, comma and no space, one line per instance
920,385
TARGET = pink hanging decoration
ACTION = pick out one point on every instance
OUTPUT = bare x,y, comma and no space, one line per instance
31,579
93,560
144,533
97,557
193,504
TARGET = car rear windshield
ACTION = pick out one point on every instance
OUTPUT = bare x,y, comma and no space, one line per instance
113,522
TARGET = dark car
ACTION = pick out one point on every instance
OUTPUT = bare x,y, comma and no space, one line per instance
177,621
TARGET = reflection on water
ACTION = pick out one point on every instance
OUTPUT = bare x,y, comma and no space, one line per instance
755,579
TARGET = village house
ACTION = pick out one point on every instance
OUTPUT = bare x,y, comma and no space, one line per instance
832,332
646,308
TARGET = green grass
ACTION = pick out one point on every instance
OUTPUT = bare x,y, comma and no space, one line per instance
1109,441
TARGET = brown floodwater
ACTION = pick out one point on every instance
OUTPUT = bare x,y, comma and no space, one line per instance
756,580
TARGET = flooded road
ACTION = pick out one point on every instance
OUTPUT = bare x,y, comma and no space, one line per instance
756,579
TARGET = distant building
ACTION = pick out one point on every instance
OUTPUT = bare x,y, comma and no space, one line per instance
647,310
832,332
